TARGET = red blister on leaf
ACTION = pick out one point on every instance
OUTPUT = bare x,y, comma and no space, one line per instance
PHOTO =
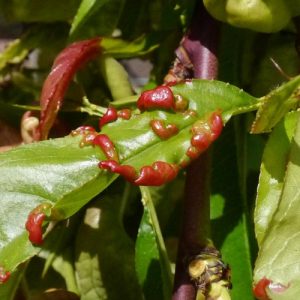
128,172
110,115
216,125
192,152
159,98
159,173
34,223
55,86
83,130
104,142
124,113
204,133
162,130
201,141
34,227
4,275
259,289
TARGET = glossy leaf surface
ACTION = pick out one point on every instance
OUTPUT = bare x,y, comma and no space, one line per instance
61,173
272,175
21,191
278,258
211,97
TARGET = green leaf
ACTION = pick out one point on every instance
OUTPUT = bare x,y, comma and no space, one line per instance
214,95
57,165
58,251
8,290
15,52
18,50
66,176
115,77
63,264
272,174
119,48
278,258
229,226
100,22
105,253
275,105
85,10
152,264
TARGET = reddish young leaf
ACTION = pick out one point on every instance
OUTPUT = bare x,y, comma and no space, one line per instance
64,67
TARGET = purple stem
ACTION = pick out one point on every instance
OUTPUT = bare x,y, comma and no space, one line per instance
200,43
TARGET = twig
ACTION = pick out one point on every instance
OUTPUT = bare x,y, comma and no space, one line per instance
200,43
279,69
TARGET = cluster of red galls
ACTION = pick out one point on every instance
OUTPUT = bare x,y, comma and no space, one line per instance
160,172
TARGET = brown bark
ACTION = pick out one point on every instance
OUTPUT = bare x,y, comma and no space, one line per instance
200,44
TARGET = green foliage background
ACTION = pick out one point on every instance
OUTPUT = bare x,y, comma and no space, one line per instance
109,238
